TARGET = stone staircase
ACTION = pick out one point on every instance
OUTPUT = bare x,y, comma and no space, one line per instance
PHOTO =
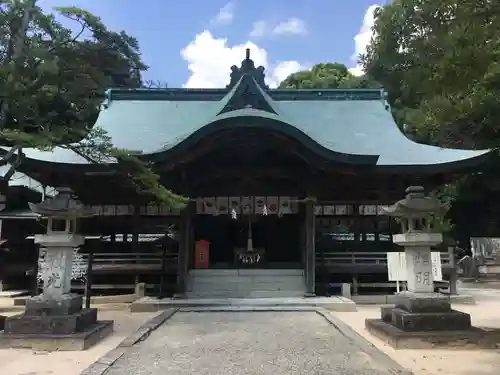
245,283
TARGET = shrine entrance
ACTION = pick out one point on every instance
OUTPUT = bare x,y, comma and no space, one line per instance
271,242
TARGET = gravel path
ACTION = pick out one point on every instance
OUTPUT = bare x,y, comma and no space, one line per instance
238,343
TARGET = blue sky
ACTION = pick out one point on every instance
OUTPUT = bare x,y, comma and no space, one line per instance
192,43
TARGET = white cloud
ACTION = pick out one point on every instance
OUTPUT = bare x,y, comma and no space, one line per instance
290,26
210,59
362,39
225,15
283,69
259,29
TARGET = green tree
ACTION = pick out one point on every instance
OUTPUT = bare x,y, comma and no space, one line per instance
52,84
327,76
440,63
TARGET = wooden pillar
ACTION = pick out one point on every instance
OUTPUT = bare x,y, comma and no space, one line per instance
310,248
355,285
453,275
163,287
136,221
88,283
302,239
185,248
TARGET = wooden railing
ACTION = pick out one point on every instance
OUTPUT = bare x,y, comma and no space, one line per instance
108,262
349,259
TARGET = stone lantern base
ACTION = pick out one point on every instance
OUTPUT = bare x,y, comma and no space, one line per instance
50,324
420,321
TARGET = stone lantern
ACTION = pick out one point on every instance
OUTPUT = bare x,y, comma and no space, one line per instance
420,317
57,315
416,237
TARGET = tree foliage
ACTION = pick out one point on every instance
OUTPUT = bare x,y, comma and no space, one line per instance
327,76
52,84
440,63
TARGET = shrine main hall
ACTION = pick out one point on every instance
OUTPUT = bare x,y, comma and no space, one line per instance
285,187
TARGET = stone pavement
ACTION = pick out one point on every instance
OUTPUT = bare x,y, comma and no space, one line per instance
238,343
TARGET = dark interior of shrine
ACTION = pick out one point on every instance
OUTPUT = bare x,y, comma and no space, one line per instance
278,236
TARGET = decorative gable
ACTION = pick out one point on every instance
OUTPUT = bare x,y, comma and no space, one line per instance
247,95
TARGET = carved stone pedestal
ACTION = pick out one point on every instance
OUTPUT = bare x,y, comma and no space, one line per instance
426,321
55,320
54,323
421,318
49,324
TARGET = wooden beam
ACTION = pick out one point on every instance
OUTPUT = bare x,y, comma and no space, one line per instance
185,246
252,173
310,248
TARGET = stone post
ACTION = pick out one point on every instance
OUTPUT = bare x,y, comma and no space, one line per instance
418,259
55,319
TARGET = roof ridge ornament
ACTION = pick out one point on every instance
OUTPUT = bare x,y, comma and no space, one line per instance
247,68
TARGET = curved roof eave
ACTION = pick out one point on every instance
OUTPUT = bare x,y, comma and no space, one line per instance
349,131
258,119
450,160
60,156
416,156
21,179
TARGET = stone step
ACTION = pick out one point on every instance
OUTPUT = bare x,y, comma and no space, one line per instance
248,280
248,283
278,283
246,272
246,294
235,288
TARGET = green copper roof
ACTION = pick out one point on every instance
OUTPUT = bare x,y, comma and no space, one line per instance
355,123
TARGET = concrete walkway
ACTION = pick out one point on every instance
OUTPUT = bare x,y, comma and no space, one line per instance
237,343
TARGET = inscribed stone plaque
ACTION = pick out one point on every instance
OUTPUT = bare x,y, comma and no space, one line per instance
419,268
57,275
